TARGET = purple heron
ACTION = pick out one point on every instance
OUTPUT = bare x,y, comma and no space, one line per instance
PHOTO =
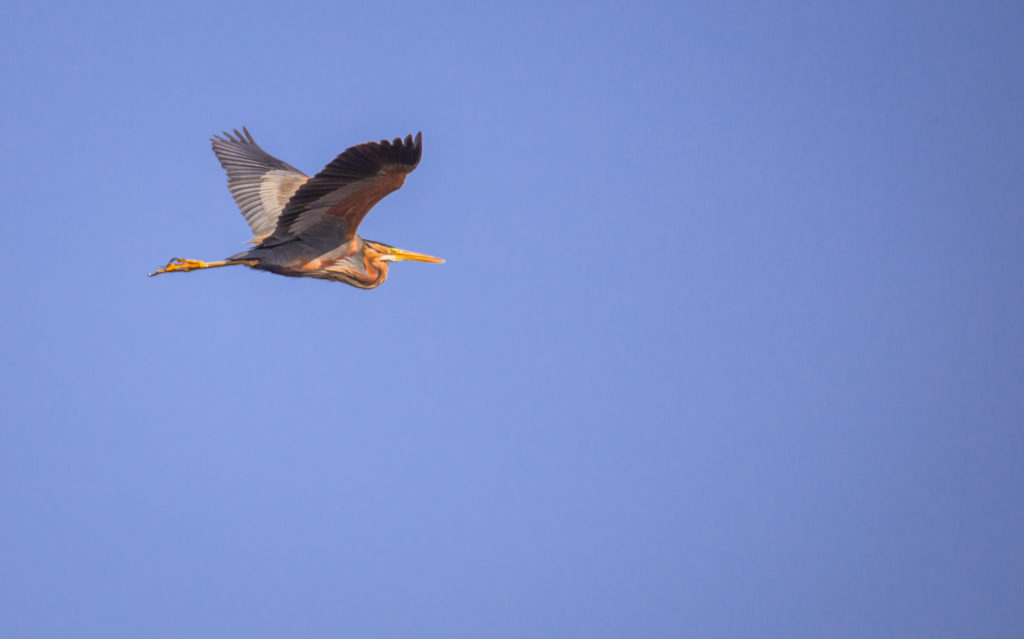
306,227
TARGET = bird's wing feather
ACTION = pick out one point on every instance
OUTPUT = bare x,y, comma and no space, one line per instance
328,208
260,183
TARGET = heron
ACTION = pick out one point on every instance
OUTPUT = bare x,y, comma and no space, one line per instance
306,227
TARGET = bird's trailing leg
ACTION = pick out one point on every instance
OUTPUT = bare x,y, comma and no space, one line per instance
178,264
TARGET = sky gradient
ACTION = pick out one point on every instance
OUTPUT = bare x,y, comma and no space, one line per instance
729,342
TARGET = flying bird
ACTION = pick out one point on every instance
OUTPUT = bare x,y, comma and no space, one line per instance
306,227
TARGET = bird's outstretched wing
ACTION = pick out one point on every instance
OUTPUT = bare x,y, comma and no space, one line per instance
327,210
260,183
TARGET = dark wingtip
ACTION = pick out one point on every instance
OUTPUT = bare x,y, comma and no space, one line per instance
223,136
415,146
409,149
236,137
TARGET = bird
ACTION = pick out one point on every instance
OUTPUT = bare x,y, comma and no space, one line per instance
306,227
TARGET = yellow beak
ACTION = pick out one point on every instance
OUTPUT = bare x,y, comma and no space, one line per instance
400,255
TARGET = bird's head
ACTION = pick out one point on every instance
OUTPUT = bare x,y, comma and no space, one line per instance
379,252
379,255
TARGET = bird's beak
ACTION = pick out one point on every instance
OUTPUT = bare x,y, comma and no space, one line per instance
400,255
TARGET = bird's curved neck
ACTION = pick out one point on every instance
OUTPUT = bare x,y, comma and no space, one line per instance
374,271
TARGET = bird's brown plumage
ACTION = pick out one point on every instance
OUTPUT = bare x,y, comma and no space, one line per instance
330,206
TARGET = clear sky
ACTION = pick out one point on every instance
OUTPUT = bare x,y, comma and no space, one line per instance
729,343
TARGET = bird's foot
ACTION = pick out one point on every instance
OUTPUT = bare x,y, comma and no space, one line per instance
179,264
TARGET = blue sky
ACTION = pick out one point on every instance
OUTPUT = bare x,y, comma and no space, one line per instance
729,341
